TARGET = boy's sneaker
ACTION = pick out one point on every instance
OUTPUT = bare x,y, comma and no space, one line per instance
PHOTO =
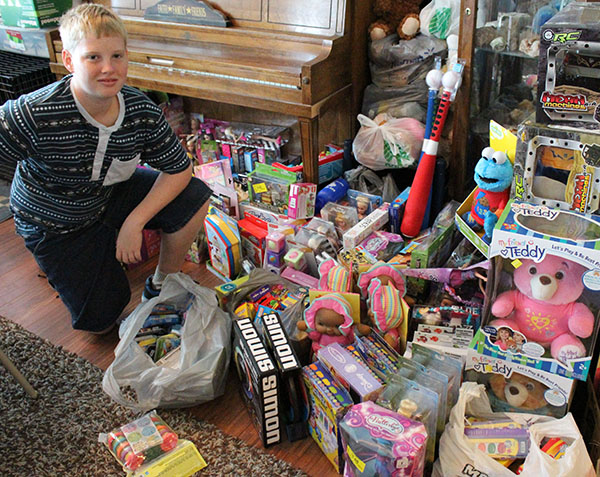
149,290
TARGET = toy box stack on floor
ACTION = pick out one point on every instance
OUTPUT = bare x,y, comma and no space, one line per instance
453,352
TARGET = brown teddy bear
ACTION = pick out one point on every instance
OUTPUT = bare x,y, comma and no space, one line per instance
395,15
518,392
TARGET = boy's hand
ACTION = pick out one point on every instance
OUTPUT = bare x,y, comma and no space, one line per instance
129,243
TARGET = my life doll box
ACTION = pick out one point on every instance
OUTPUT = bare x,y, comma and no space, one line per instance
259,380
558,168
543,290
516,387
329,401
568,68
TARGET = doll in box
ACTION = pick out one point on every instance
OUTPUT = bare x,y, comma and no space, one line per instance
544,309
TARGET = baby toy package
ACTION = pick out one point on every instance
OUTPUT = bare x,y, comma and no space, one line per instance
543,300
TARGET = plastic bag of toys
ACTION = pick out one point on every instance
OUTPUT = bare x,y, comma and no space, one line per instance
478,441
192,371
387,142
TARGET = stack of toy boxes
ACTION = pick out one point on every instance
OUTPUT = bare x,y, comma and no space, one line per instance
276,249
542,310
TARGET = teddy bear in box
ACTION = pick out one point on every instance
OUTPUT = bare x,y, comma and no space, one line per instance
544,306
399,16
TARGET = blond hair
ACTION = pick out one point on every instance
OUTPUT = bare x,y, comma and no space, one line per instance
89,19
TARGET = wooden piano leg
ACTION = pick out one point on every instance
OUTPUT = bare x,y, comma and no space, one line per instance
309,137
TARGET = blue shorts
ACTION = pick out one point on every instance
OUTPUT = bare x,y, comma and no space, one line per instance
81,266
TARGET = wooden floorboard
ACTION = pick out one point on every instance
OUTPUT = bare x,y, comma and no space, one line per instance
27,298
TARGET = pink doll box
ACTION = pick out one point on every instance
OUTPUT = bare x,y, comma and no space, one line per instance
372,222
542,294
302,200
377,441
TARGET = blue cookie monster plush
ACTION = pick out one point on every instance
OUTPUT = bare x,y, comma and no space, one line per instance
493,176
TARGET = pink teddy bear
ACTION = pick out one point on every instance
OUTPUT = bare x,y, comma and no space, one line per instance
544,309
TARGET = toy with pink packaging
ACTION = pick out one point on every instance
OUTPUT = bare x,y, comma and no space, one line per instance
543,292
377,441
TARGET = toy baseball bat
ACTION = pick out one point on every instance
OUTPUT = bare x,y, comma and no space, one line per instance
421,186
434,82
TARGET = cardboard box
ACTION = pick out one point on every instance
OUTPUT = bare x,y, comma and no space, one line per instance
259,381
356,378
224,245
33,13
568,71
535,232
558,168
374,221
514,387
329,401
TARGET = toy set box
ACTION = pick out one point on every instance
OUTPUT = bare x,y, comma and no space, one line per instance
293,394
517,387
558,168
360,381
543,300
259,380
269,187
302,200
329,401
568,76
253,233
372,222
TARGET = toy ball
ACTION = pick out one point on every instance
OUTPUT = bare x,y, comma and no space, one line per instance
450,80
434,79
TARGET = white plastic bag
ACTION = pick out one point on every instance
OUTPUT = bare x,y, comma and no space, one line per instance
203,362
387,142
440,18
458,458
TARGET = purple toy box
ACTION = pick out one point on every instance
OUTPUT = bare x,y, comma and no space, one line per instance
377,441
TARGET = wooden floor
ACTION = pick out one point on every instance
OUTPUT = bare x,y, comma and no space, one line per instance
27,299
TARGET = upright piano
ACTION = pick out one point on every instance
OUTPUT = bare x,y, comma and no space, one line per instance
302,58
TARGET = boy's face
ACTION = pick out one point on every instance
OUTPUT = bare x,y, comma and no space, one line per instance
99,67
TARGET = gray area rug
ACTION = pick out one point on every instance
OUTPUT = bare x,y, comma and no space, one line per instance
57,434
5,212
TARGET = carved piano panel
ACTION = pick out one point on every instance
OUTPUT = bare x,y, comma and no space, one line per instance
305,59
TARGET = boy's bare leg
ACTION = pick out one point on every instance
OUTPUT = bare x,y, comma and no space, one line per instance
174,246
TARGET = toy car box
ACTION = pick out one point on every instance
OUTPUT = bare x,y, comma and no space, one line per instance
569,68
558,167
543,291
516,387
259,380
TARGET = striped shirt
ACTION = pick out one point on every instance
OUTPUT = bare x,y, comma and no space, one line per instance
68,162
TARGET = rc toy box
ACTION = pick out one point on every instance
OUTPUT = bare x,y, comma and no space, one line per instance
568,75
543,299
558,168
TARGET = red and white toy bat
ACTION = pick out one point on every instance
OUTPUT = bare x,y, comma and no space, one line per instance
418,197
